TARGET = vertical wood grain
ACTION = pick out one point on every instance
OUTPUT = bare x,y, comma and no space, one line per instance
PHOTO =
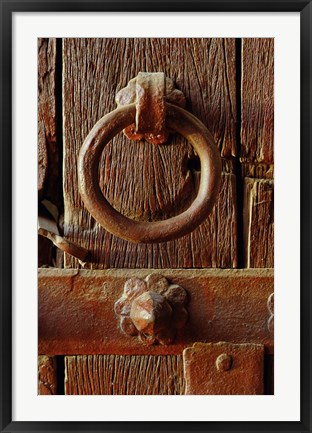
259,223
48,162
257,104
124,375
144,181
48,175
257,150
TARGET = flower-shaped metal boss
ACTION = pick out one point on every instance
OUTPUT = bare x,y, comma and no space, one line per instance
152,309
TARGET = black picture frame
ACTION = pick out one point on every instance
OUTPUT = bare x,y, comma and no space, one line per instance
7,9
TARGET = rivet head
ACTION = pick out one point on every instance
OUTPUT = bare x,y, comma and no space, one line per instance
224,362
152,309
150,313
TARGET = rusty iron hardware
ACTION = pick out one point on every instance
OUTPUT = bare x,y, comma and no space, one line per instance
149,105
223,369
221,307
154,91
224,362
152,309
271,311
47,227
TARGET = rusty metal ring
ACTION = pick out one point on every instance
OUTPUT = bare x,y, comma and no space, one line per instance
141,231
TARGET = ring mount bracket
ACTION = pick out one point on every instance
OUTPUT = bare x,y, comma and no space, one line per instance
150,91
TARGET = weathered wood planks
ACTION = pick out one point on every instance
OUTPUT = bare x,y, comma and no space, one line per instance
141,180
124,375
257,93
259,223
49,182
257,150
48,175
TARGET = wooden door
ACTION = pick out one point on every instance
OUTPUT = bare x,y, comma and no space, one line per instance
228,85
